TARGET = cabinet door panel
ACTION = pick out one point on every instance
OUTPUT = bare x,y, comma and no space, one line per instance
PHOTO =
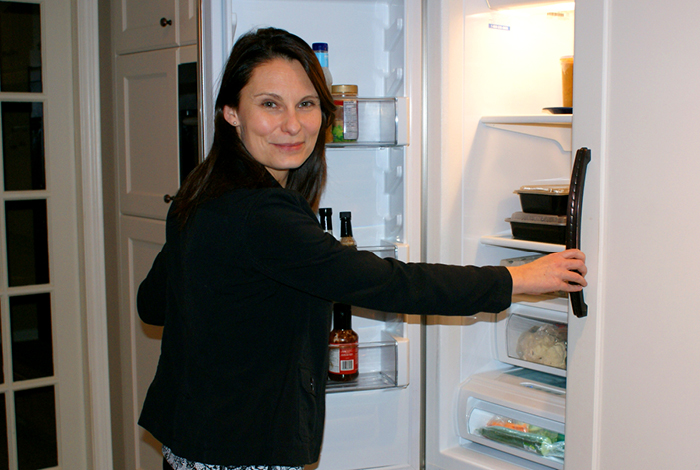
187,28
141,240
147,131
138,25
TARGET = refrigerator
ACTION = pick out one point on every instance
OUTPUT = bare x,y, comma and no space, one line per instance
460,104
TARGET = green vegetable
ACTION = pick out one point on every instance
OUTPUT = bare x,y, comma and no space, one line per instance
536,443
553,436
337,133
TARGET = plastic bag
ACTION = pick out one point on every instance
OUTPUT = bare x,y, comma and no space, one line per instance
525,436
544,344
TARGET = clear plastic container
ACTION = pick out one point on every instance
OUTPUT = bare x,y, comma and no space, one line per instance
537,341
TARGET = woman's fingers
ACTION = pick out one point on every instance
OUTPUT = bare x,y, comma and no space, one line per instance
563,271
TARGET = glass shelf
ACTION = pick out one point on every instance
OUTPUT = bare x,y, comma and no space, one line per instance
556,127
364,381
506,240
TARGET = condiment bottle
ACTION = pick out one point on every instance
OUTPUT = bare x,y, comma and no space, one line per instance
342,344
325,214
346,237
321,51
345,126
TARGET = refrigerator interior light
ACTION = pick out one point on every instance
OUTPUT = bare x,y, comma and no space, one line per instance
544,5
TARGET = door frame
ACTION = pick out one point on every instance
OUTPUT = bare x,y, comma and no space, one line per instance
86,53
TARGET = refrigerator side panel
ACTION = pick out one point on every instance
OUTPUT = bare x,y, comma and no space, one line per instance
636,355
583,414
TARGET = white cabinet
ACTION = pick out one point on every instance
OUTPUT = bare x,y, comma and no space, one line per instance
140,241
155,24
188,13
147,129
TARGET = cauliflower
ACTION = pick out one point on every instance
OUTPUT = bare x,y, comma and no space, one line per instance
544,344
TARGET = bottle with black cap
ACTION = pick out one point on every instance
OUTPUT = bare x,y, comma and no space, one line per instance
346,237
325,215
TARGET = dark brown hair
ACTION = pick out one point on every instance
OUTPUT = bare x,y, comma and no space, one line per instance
229,165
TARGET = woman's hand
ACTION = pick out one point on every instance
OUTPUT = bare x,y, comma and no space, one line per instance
563,271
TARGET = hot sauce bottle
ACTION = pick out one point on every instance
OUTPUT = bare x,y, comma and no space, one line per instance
342,344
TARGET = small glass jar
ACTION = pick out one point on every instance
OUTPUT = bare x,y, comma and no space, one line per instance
345,126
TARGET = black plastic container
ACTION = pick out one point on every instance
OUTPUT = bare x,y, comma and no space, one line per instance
538,227
544,199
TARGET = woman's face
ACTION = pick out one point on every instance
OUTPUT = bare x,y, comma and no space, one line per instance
279,116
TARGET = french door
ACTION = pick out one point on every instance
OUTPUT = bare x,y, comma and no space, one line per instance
42,411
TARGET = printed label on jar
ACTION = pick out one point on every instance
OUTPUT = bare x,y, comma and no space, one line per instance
345,127
350,120
343,358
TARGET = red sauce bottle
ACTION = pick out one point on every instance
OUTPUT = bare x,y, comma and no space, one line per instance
342,344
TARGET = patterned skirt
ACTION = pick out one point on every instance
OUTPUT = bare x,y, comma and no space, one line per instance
179,463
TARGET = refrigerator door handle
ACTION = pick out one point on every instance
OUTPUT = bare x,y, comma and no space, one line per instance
573,219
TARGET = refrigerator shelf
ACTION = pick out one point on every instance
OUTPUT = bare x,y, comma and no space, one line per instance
354,145
365,381
506,240
383,364
556,127
382,122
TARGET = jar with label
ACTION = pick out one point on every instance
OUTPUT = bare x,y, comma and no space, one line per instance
345,126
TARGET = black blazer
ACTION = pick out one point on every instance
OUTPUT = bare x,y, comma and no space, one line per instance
244,293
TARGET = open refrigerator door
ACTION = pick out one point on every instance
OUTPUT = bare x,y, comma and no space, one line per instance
373,420
496,384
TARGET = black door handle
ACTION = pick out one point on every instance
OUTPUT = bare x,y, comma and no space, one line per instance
573,219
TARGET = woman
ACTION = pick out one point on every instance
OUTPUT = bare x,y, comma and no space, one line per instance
245,281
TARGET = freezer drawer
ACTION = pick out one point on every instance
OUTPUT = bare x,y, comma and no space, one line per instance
517,433
518,411
532,342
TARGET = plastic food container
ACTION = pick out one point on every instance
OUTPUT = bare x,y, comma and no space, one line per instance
537,341
544,199
538,227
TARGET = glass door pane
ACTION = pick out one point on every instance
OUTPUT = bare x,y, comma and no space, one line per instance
32,346
28,402
35,415
27,242
23,145
20,47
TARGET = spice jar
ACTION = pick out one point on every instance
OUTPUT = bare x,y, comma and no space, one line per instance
345,126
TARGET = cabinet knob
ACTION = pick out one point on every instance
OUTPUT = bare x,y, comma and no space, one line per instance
167,198
164,22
